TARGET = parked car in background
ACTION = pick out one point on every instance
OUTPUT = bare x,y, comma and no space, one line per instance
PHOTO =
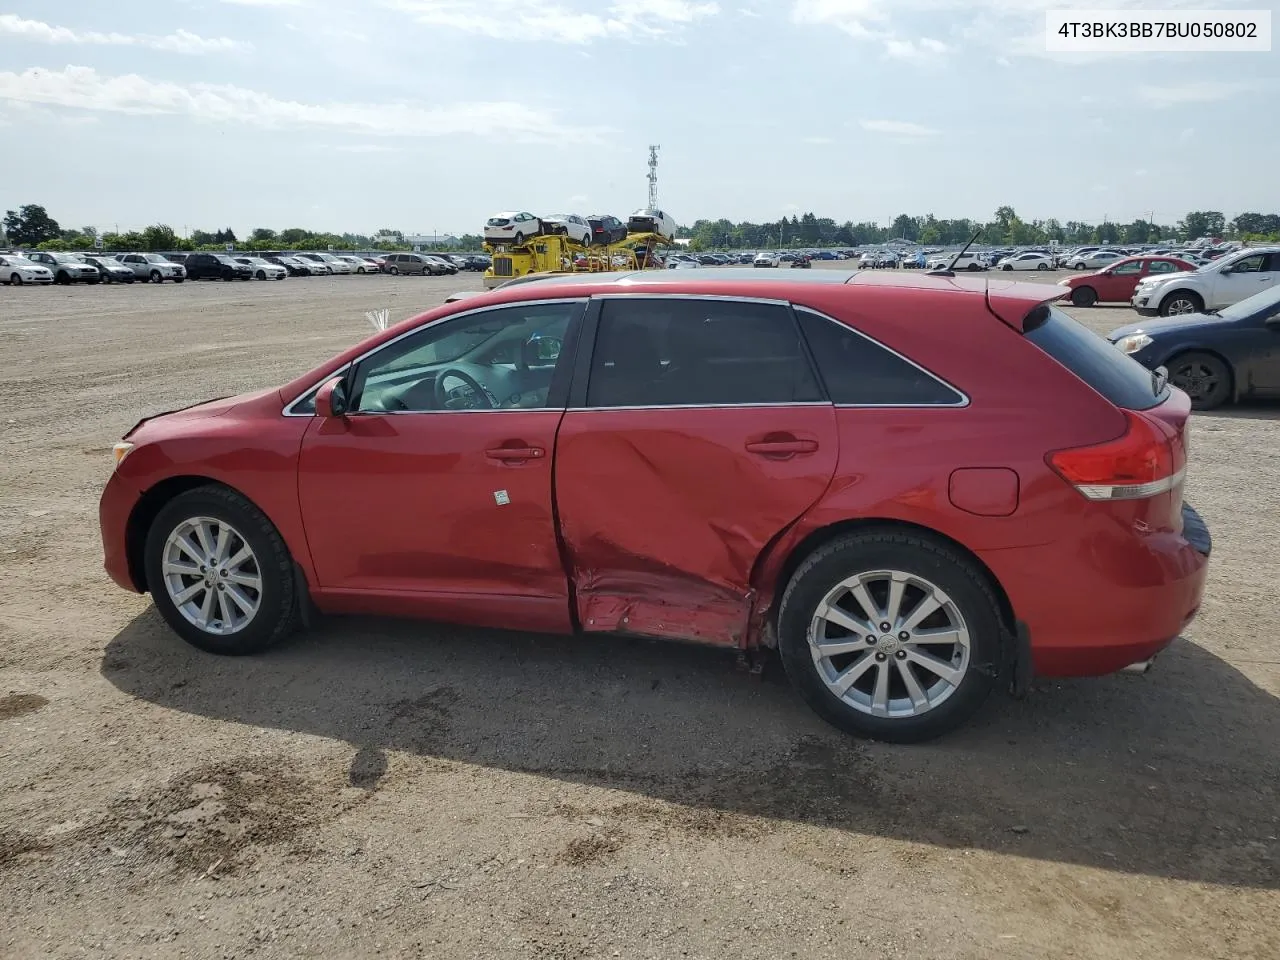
899,596
767,259
336,264
1216,358
1026,261
1094,260
440,265
479,262
1116,283
358,264
15,270
803,261
606,229
412,264
868,259
263,269
1219,284
652,221
66,267
1066,258
216,266
321,266
569,225
154,267
513,227
113,271
969,261
296,266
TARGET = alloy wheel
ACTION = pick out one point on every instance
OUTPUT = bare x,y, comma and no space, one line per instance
889,643
212,576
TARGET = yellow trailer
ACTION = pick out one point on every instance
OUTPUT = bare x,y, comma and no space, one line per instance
558,254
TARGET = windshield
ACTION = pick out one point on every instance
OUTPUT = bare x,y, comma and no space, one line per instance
66,258
1265,303
19,261
156,258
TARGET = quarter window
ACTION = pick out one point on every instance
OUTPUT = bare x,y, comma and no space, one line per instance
857,371
1163,266
673,351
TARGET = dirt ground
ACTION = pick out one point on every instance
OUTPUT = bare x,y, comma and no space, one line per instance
379,788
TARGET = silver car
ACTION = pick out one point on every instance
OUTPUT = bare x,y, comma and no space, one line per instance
66,267
153,267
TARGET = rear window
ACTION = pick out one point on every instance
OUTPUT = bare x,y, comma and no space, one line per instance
1121,379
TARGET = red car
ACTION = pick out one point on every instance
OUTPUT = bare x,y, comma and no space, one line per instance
916,487
1115,284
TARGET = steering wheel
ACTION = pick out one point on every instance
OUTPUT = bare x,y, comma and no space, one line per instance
483,399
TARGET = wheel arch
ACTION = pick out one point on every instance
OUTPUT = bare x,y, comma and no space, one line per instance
820,537
1166,294
154,500
1183,349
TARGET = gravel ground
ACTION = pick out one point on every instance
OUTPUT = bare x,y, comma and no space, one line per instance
401,789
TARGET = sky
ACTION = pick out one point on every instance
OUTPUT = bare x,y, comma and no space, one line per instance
428,116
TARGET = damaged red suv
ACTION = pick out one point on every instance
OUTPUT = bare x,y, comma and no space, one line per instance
915,487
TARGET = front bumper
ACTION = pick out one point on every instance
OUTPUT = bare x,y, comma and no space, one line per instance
119,497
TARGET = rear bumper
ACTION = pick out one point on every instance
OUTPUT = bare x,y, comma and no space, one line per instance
1121,599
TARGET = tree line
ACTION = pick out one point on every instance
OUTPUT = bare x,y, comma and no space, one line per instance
31,226
1006,227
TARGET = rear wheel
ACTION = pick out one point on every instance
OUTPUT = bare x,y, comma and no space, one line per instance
220,573
1007,266
974,266
890,635
1181,302
518,239
1084,296
1205,378
1042,266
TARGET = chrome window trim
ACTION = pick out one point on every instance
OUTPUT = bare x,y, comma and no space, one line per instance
702,406
964,397
289,411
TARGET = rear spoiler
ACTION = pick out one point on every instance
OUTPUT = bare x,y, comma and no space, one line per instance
1023,306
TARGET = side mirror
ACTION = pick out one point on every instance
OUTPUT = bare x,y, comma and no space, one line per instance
331,399
1273,321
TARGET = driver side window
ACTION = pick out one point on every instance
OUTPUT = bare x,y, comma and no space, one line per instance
1248,264
1128,269
499,359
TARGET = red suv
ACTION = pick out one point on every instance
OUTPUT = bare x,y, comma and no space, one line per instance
915,487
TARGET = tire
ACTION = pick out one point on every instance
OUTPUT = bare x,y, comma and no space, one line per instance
62,278
175,279
393,270
157,277
1080,266
1042,266
16,280
1007,267
974,267
968,602
518,239
1084,296
360,270
1206,378
261,275
1180,303
275,614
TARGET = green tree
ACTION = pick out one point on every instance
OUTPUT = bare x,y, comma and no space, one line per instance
263,235
159,236
30,226
1202,223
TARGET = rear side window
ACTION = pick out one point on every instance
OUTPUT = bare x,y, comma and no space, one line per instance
857,371
1121,379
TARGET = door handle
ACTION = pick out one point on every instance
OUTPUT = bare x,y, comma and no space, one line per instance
781,448
508,454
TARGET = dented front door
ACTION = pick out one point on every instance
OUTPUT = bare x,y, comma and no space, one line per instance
665,506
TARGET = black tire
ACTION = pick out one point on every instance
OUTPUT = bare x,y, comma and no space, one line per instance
277,613
1008,267
62,278
1176,303
1042,266
175,279
16,280
974,267
518,239
916,554
1084,296
128,279
157,276
261,275
1205,378
1081,266
393,270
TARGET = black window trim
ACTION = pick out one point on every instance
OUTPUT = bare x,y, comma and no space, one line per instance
964,397
591,329
572,338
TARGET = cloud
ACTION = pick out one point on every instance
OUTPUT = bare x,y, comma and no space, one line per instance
83,88
1186,134
182,41
914,49
552,21
1206,91
897,128
818,141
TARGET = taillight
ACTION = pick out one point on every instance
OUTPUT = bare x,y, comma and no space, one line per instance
1141,463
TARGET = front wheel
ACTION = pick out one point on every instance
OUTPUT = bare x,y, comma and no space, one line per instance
518,239
1180,303
1205,378
16,279
220,573
974,266
262,275
890,635
1084,296
1007,267
156,277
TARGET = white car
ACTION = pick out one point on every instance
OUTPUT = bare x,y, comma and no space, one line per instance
652,221
868,259
570,225
513,227
1218,284
970,261
767,259
360,264
16,270
263,269
1026,261
1093,261
678,262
